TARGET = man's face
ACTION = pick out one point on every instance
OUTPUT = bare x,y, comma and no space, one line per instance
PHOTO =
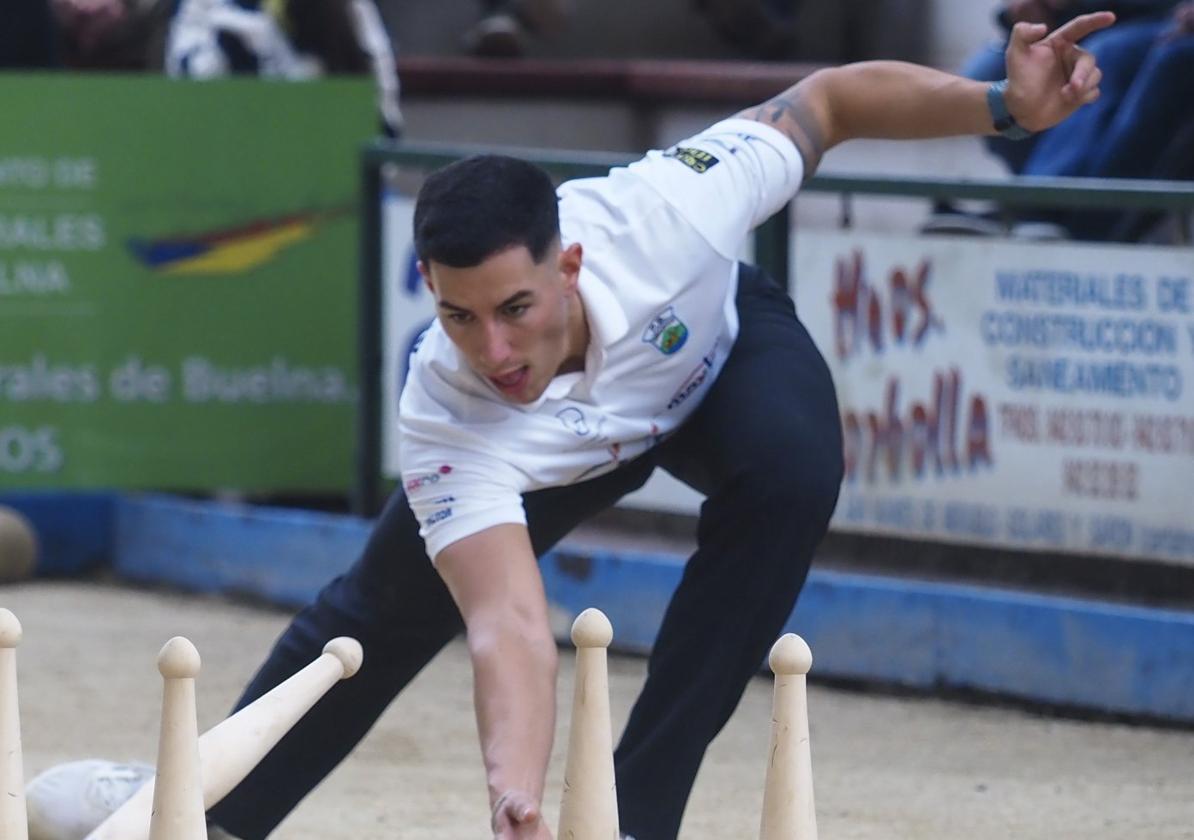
517,322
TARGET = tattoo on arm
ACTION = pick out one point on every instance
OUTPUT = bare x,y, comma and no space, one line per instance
790,113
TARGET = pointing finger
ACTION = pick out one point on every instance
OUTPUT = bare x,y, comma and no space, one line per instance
1083,25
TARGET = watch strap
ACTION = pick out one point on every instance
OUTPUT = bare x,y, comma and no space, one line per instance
1005,123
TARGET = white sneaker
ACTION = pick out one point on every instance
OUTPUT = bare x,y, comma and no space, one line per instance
68,801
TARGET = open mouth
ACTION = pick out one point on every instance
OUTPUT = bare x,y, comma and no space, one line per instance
512,382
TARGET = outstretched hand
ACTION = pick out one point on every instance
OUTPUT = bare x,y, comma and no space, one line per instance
1049,75
516,816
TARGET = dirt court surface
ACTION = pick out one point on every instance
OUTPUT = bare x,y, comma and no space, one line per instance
883,767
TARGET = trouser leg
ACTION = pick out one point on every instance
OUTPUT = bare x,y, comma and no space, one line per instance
765,447
394,602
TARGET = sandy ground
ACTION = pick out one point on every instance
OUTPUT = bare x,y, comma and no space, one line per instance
884,767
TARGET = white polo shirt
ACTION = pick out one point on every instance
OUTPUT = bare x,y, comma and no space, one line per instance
658,281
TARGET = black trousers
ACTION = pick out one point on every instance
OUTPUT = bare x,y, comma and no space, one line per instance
764,447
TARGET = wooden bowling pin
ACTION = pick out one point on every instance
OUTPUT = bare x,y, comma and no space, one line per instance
178,788
230,750
788,812
14,821
589,807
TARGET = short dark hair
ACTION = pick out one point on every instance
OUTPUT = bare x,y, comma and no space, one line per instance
473,208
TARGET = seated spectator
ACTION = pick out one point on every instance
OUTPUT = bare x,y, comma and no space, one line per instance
987,65
287,39
1147,60
1148,96
83,34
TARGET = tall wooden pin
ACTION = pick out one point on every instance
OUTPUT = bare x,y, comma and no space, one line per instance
14,821
178,789
788,812
232,748
589,808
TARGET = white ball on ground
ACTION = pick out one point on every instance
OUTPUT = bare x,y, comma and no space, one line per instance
69,801
18,546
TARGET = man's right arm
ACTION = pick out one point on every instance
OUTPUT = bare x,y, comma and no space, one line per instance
1049,77
495,580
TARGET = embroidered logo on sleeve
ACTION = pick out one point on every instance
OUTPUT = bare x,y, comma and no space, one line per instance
666,331
697,160
418,482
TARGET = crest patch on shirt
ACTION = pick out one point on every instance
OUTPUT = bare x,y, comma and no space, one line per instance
697,160
666,331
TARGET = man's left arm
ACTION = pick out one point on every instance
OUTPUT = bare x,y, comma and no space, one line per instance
1049,77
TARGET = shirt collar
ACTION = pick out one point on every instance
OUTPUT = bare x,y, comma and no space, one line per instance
607,323
607,319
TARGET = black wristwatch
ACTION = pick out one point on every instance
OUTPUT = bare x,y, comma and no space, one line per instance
1005,123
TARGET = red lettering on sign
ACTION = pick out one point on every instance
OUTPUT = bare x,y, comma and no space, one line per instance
925,439
858,307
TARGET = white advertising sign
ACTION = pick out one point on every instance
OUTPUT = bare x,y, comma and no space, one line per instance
408,310
1023,395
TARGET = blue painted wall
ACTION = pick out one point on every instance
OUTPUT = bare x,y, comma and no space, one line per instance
74,531
282,556
1045,649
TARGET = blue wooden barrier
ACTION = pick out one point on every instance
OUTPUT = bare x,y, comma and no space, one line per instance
917,634
74,531
278,555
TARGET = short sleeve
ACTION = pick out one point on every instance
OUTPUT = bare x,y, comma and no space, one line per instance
455,494
726,180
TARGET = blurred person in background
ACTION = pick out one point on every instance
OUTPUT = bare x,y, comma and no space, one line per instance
83,34
1134,130
1139,129
285,39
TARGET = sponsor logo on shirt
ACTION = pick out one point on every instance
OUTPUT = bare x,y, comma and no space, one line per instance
574,420
438,516
697,160
695,379
420,481
666,331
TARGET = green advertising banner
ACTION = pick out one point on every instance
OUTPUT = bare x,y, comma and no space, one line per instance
178,282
